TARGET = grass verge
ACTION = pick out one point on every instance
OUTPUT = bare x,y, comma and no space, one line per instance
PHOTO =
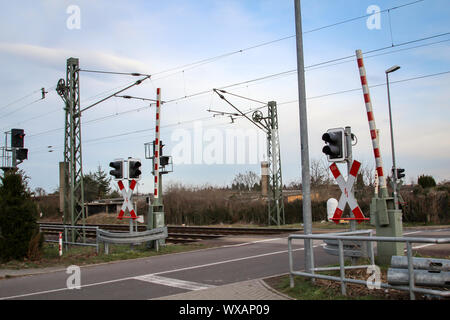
304,289
320,289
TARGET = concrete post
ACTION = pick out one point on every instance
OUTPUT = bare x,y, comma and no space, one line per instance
306,175
264,178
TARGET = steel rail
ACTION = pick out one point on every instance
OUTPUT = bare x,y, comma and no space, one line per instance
198,229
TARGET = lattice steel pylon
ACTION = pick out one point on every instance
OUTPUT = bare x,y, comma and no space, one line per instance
276,203
69,91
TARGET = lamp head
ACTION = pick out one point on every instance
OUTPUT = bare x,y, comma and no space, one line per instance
392,69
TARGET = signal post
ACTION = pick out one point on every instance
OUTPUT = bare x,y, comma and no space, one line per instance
160,165
15,154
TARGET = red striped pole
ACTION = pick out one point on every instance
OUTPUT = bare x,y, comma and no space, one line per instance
60,244
157,143
372,126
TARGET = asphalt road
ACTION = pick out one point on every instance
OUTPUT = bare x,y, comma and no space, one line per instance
147,278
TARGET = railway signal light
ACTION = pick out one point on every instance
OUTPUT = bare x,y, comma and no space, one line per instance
400,173
117,165
134,171
17,138
335,148
21,154
164,161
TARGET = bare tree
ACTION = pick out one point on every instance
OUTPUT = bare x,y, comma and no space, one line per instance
246,180
40,192
319,173
368,174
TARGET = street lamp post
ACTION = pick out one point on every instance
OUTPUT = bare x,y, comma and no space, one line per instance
394,169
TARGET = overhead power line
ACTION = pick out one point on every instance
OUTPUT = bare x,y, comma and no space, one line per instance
293,71
271,76
218,57
280,74
215,58
362,17
20,99
133,132
199,63
380,84
112,95
255,109
117,114
20,108
134,74
43,93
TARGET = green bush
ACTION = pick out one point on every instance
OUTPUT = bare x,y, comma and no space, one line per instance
18,215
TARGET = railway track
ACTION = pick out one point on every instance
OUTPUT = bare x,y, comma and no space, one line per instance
51,230
179,234
231,230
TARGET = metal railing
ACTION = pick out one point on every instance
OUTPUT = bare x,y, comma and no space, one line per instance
341,238
107,237
65,228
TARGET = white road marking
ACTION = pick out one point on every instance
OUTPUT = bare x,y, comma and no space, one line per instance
424,245
176,283
62,289
427,230
251,242
227,261
412,232
158,273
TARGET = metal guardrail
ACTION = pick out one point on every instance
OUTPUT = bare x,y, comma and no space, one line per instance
64,229
108,237
172,229
427,271
355,249
341,238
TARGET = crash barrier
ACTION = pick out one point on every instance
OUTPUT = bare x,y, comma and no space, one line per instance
354,249
108,237
412,288
427,272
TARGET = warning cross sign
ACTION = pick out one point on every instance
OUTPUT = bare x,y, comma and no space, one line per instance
347,193
127,200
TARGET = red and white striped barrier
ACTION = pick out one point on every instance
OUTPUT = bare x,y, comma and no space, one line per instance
371,118
347,194
157,143
60,244
127,200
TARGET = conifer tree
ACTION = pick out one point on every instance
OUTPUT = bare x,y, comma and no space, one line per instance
18,217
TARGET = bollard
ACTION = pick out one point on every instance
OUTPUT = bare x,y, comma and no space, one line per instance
60,244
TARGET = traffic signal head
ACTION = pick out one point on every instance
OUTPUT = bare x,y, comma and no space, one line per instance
400,173
335,148
117,165
21,154
164,161
17,137
134,171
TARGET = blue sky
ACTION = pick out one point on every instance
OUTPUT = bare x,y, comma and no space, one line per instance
153,36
